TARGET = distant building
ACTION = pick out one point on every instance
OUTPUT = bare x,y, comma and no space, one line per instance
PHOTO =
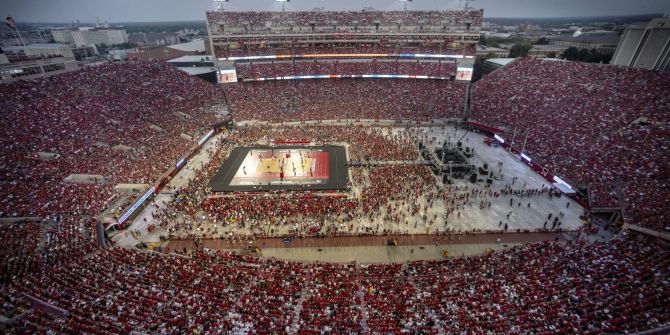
38,50
35,61
85,52
483,51
488,34
49,50
35,68
542,51
604,41
154,39
195,47
645,47
91,36
63,36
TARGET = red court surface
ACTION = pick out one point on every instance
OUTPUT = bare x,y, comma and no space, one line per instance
286,167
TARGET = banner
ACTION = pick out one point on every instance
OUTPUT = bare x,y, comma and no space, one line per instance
226,76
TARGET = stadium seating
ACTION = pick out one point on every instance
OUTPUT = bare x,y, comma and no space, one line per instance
87,118
299,68
600,287
580,123
361,49
321,99
18,242
258,22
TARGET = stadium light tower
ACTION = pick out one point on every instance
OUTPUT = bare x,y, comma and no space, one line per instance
467,4
405,3
283,2
218,4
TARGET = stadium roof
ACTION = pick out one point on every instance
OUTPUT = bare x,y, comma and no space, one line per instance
196,70
195,46
38,46
603,38
47,45
500,61
547,47
487,48
192,59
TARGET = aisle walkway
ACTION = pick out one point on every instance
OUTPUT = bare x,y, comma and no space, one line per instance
165,197
372,249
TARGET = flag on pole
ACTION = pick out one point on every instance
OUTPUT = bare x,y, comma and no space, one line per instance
10,22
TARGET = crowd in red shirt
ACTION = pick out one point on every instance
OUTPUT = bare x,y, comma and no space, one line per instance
342,48
86,118
335,99
307,208
547,288
327,67
579,126
580,123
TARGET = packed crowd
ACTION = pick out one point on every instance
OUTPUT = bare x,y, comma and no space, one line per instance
68,236
282,48
306,213
614,286
396,187
580,123
275,209
26,245
396,198
328,304
618,286
393,193
123,122
301,68
296,21
328,99
18,242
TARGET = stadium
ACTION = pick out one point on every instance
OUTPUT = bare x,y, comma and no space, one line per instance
344,175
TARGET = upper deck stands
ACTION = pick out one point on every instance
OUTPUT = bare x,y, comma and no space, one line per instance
302,22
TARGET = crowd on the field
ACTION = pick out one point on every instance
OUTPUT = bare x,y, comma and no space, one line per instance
313,67
276,209
227,22
331,99
387,199
305,212
393,193
589,124
618,286
122,122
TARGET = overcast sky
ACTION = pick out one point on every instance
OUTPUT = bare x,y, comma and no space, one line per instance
186,10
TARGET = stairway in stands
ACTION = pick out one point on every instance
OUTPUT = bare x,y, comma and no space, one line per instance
304,295
361,302
429,311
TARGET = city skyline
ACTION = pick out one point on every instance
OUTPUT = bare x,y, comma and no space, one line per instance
63,11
